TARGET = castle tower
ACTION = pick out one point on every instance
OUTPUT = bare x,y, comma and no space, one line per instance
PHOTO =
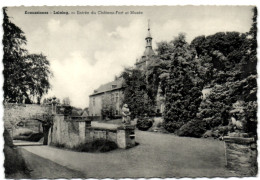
143,61
148,49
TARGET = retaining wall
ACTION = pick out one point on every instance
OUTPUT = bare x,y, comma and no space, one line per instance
241,155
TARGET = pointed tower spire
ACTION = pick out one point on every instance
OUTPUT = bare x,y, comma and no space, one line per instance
148,49
148,25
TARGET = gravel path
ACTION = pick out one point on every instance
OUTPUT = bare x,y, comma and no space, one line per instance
158,155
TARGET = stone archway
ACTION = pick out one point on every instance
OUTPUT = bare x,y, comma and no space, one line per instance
47,121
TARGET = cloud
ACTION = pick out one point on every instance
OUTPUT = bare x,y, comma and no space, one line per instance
83,57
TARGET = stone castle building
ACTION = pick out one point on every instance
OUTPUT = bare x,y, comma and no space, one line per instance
113,91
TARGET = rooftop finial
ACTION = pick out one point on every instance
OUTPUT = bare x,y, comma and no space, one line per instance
148,24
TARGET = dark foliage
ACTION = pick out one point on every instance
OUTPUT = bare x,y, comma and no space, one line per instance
135,93
229,62
34,137
144,123
194,128
97,146
214,110
25,75
183,89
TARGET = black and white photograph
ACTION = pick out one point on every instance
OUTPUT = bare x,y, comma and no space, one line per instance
129,91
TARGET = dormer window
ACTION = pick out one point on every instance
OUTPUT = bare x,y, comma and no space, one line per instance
114,86
95,91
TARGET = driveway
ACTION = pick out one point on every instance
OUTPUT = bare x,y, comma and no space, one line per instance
157,155
44,168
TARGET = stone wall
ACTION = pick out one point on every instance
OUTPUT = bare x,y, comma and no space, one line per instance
71,132
67,131
95,133
15,113
241,155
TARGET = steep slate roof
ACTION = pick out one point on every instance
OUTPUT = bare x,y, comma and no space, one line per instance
108,86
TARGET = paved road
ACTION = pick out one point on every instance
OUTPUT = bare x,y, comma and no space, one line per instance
44,168
158,155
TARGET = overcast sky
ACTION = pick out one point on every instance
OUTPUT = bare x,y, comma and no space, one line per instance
86,51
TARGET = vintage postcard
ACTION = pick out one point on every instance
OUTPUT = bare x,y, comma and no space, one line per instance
130,91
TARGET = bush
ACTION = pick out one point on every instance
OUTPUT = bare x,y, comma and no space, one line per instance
193,128
223,130
97,146
172,126
144,124
35,137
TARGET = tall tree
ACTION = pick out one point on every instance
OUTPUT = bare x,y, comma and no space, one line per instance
26,76
37,74
183,89
13,42
135,92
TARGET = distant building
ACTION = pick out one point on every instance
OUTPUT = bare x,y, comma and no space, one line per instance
109,94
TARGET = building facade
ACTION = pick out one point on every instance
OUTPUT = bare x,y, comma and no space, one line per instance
107,97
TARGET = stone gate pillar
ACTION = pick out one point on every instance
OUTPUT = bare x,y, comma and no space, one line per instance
126,136
241,155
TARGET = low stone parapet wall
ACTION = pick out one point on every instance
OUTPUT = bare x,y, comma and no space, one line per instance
72,131
94,133
123,136
241,155
67,131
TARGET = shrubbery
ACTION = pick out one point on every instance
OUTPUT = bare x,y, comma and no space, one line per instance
99,145
172,126
144,123
194,128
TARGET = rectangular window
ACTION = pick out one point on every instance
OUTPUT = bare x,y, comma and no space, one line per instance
93,101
